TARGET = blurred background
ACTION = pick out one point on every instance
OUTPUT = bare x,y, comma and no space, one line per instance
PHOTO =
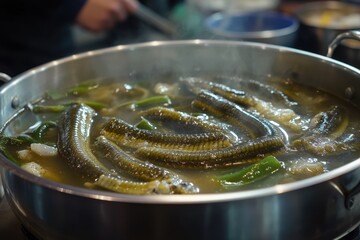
33,34
189,16
303,24
197,19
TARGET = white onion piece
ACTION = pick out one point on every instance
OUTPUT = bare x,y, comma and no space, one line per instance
25,154
164,88
43,150
33,168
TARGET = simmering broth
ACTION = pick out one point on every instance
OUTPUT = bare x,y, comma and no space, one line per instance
308,131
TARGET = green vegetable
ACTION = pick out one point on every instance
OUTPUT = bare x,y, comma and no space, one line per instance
56,95
151,101
254,172
145,124
9,156
5,142
92,104
39,132
60,108
48,109
156,100
84,87
17,141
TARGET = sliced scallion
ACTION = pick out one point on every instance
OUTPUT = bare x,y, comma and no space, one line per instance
252,173
145,124
151,101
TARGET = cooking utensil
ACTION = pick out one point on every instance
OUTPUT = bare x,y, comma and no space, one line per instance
326,206
156,20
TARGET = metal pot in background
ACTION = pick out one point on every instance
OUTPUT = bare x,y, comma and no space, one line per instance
207,7
347,47
321,22
256,26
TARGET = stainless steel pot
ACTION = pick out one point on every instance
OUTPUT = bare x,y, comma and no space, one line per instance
322,21
348,51
321,207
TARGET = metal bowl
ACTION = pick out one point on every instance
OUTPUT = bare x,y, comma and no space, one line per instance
259,26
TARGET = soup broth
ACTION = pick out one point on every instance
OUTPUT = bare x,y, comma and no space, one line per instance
210,133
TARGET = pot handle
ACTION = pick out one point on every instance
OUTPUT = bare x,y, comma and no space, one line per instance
346,35
350,196
4,78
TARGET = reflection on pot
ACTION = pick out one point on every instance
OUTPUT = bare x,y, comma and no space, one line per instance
1,191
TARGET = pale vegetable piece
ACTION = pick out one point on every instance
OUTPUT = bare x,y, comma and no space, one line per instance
284,116
34,168
43,150
165,88
303,168
25,155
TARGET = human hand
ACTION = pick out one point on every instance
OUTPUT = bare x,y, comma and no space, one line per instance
99,15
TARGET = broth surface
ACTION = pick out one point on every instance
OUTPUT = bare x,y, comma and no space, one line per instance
118,99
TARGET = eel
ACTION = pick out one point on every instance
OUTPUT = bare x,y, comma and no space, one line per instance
244,87
74,141
238,116
267,92
186,122
284,116
143,171
243,153
324,130
170,116
125,134
73,145
117,185
267,140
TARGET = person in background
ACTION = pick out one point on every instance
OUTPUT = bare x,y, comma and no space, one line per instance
38,31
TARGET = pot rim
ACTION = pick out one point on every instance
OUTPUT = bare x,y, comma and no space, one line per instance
176,199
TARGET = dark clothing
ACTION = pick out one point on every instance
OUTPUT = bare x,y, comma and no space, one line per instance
35,32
